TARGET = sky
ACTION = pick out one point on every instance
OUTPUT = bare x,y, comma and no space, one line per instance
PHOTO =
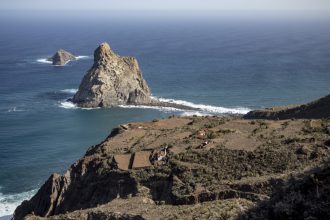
231,5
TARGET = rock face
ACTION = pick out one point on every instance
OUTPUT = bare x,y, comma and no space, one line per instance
316,109
61,57
243,163
113,80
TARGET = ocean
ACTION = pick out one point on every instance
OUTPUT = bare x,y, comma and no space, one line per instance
219,65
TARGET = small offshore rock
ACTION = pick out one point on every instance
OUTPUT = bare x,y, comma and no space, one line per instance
62,57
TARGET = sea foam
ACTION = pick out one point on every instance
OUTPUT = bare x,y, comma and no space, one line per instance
67,105
160,108
83,57
70,105
199,109
9,202
205,109
15,109
70,91
46,61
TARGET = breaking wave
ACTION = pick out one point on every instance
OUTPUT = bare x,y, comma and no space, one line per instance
67,105
160,108
15,109
9,202
83,57
46,61
70,105
70,91
199,109
205,109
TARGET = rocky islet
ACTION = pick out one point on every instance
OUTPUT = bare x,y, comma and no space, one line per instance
62,57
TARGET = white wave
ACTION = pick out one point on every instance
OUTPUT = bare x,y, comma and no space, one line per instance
8,203
15,109
44,61
207,109
160,108
71,91
70,105
83,57
67,105
200,109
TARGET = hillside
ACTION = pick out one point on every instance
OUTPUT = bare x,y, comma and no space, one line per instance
195,168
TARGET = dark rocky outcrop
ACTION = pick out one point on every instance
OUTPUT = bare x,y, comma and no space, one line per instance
305,196
113,80
43,205
316,109
81,187
62,57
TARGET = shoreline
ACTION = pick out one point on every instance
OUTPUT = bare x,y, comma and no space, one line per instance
171,105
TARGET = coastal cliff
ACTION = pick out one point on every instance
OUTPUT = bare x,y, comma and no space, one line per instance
113,80
317,109
195,168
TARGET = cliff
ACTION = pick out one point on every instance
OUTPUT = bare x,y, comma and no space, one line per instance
195,168
113,80
316,109
62,57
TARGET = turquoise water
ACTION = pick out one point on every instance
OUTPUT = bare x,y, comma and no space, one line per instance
222,65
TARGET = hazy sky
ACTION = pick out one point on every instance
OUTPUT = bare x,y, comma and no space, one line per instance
166,4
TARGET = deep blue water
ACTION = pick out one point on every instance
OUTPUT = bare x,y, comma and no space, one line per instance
214,62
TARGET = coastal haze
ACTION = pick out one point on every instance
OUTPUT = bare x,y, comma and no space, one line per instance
216,60
185,5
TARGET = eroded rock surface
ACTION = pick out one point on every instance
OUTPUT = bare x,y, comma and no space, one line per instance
113,80
62,57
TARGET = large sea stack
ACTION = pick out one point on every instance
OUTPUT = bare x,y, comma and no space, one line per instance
113,80
62,57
